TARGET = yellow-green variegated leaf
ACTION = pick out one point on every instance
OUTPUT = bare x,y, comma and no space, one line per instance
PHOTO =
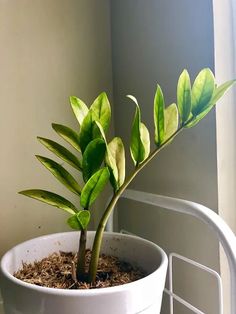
79,108
61,174
140,143
94,187
202,91
68,135
51,199
61,152
159,123
184,96
93,157
171,121
115,159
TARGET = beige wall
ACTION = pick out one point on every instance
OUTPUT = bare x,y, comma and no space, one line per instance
50,49
154,42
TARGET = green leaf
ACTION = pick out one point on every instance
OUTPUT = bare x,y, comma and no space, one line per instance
202,91
68,135
94,187
80,220
101,133
184,96
159,123
101,111
74,223
218,93
136,147
171,121
198,118
61,152
115,159
83,217
140,143
86,131
93,157
61,174
79,108
221,90
145,139
51,199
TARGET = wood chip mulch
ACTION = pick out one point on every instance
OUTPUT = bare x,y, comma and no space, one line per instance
58,271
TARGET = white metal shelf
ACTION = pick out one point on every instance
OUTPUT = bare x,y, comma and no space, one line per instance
225,236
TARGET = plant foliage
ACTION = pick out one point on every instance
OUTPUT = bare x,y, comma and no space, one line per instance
101,161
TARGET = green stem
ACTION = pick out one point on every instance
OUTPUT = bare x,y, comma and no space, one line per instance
101,227
80,270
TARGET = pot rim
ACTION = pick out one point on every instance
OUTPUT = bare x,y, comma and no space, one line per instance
85,292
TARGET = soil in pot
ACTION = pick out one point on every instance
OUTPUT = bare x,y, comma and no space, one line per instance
58,271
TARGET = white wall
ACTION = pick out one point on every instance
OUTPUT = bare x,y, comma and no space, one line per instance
225,68
153,43
49,51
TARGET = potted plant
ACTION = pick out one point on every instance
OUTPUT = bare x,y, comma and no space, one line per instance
101,161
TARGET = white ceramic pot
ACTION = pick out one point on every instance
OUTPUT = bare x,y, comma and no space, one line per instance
142,296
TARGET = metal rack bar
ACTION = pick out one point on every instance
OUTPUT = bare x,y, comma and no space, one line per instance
215,222
204,268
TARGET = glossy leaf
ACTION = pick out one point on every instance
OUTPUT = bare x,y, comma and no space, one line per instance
93,157
86,131
115,159
51,199
68,135
140,143
145,139
79,220
101,133
136,146
171,121
94,187
218,93
101,111
199,117
79,108
159,123
184,96
74,223
61,152
202,91
83,217
61,174
221,90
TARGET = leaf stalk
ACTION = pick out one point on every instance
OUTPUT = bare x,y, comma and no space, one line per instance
101,227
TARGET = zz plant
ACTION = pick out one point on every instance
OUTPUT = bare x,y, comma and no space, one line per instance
101,161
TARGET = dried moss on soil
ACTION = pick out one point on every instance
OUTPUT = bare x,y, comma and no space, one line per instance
58,271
